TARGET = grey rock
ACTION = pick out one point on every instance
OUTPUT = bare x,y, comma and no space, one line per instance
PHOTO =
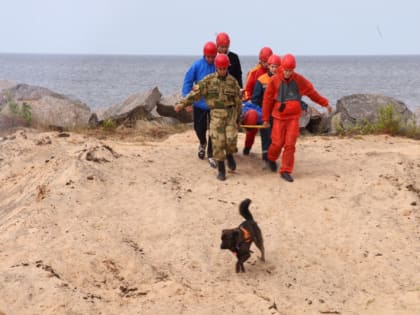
93,121
417,117
145,100
166,107
360,108
304,119
314,121
47,108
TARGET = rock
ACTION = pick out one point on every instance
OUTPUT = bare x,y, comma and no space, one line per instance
166,108
136,106
417,116
314,121
304,119
167,121
93,121
147,101
35,106
357,109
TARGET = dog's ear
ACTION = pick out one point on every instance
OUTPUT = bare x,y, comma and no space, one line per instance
224,233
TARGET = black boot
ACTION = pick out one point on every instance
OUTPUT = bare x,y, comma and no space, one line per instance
222,170
286,176
264,156
231,162
272,165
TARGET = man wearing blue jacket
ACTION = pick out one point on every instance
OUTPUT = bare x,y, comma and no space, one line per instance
198,70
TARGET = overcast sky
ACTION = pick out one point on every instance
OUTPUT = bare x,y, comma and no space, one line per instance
181,27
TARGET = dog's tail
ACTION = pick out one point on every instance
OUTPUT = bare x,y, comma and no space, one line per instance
244,209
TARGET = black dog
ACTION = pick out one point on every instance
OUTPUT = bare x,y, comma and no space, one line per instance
239,240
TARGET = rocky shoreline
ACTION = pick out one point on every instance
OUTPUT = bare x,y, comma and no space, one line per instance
26,105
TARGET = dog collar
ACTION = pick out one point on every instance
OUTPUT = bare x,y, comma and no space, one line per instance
247,235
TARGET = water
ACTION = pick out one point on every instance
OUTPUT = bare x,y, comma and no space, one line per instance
100,81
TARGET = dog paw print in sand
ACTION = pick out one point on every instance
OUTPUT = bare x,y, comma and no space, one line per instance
99,154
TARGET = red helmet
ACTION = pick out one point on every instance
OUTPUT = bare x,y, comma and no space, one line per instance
265,53
274,60
221,61
222,39
288,62
210,49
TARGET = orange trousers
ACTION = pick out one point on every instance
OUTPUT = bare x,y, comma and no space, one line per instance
284,134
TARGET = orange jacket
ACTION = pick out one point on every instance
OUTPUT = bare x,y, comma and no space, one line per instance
251,79
292,110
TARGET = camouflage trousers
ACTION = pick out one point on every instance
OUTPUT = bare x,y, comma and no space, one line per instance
223,132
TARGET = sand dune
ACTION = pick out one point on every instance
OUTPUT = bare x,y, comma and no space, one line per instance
106,226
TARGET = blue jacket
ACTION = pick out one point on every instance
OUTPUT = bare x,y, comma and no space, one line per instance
198,70
247,106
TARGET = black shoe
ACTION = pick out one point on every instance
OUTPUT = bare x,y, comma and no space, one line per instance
286,176
201,151
272,165
264,157
246,150
222,170
231,162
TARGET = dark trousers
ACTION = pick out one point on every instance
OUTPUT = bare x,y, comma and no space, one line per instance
265,141
201,124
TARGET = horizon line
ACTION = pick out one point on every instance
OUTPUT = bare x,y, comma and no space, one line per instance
195,55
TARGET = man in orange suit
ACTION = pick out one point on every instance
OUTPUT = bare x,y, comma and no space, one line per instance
282,101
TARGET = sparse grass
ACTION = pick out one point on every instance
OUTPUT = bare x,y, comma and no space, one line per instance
19,114
389,122
108,125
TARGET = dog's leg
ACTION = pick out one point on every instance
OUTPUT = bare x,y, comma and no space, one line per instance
259,242
238,266
242,257
261,248
263,255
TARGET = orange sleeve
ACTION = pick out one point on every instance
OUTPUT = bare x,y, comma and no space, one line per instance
306,88
249,88
251,79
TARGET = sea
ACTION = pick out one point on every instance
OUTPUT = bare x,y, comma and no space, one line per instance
103,80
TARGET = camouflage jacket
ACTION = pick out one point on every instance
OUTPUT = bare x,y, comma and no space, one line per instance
219,93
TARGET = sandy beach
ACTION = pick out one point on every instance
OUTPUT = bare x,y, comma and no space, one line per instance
101,225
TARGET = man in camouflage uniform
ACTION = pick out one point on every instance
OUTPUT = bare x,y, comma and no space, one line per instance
222,94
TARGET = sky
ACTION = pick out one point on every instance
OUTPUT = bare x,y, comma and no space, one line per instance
169,27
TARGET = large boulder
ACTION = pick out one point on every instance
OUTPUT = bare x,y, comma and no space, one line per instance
417,117
166,107
313,121
357,109
40,107
137,106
